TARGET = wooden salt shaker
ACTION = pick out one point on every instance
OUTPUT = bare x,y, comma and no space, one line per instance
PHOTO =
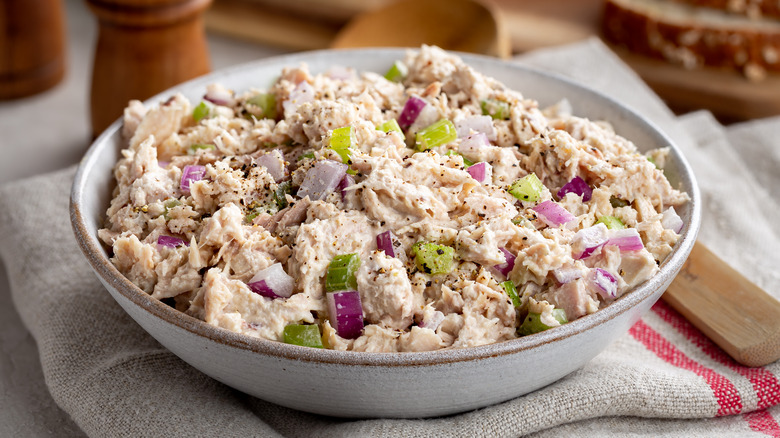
32,46
143,48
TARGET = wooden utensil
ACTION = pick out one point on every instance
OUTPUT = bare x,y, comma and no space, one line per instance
270,26
143,48
729,309
32,46
461,25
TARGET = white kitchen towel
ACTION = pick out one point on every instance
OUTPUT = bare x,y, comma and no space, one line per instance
662,378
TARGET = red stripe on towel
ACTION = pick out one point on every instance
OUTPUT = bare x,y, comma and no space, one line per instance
762,421
765,383
726,394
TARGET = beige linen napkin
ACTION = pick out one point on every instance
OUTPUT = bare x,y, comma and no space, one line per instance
663,378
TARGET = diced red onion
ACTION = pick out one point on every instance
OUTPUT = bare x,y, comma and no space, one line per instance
261,288
433,321
302,93
171,242
506,267
588,251
626,239
567,274
322,179
553,214
588,240
189,175
272,282
671,220
163,164
273,163
411,110
579,187
470,144
386,241
476,124
478,171
604,283
346,313
344,183
427,117
219,95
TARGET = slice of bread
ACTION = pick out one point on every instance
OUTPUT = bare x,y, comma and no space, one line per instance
750,8
694,36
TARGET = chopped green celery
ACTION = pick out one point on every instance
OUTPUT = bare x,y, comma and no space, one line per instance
466,161
303,335
437,134
309,155
617,202
612,222
390,125
497,109
511,290
533,322
525,220
397,72
560,316
341,273
342,138
652,160
168,205
282,189
266,102
527,188
251,216
201,111
193,149
341,142
432,258
519,219
346,158
345,154
255,210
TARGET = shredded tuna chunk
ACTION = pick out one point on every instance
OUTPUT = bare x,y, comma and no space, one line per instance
225,186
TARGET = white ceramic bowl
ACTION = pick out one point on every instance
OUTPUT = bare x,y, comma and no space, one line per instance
354,384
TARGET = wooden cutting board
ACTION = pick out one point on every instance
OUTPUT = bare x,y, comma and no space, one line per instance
313,24
728,94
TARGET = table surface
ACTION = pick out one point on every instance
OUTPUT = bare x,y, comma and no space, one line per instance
26,408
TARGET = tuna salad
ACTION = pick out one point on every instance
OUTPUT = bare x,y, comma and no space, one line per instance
416,209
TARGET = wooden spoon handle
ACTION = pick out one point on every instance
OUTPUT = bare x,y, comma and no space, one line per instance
728,308
461,25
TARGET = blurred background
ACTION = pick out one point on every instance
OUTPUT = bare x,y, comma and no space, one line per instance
68,67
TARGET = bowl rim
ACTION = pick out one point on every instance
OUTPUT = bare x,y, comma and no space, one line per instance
110,275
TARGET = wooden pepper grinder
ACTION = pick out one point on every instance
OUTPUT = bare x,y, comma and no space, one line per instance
32,46
143,48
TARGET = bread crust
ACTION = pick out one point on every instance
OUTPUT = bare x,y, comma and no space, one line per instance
749,8
691,43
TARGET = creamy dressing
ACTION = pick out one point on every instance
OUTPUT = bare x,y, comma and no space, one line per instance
238,220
